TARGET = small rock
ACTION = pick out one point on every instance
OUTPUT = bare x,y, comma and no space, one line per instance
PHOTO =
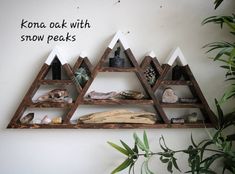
192,118
169,96
46,120
57,120
130,94
177,120
36,121
27,119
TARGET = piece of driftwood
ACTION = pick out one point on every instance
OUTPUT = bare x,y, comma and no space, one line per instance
119,116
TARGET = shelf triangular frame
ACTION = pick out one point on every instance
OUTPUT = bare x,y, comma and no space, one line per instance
191,82
136,68
39,80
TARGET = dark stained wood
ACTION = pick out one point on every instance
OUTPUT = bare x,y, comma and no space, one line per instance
69,72
115,69
87,85
30,93
145,62
88,64
116,102
182,105
55,82
198,91
176,82
146,86
166,68
77,64
109,126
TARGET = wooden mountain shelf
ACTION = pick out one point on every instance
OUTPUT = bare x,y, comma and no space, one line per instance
151,85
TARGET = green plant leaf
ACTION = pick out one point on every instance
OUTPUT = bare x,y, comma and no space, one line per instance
120,149
130,168
123,166
175,164
145,138
217,3
220,114
129,150
169,167
193,143
164,160
139,143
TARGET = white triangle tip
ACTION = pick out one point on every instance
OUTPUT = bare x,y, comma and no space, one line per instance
176,54
56,52
151,54
83,54
119,36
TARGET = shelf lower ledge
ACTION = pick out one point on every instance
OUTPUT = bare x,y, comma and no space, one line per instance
109,126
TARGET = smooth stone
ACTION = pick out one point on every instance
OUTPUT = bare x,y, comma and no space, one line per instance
27,119
54,95
192,118
177,120
169,96
36,121
56,120
46,120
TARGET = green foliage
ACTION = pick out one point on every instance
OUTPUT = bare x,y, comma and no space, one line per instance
225,51
219,145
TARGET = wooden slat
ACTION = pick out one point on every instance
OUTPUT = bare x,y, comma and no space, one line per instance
77,64
109,126
55,82
176,82
115,69
116,102
182,105
50,105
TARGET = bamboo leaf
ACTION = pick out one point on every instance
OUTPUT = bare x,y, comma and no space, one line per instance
194,144
120,149
129,150
123,166
145,138
164,160
169,167
139,143
175,164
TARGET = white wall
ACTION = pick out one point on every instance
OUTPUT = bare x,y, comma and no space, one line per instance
151,27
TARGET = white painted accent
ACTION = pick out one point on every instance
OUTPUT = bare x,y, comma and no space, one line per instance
119,36
83,54
177,53
56,52
151,54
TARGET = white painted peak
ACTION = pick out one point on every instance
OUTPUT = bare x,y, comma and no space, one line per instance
151,54
119,36
177,53
56,52
83,54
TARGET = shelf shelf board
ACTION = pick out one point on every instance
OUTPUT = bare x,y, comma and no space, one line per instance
176,82
56,82
115,69
181,105
110,126
117,102
50,105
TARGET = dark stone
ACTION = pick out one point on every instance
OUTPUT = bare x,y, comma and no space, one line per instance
116,61
176,73
56,69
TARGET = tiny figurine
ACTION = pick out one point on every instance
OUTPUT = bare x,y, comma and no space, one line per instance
27,119
116,61
56,69
169,96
